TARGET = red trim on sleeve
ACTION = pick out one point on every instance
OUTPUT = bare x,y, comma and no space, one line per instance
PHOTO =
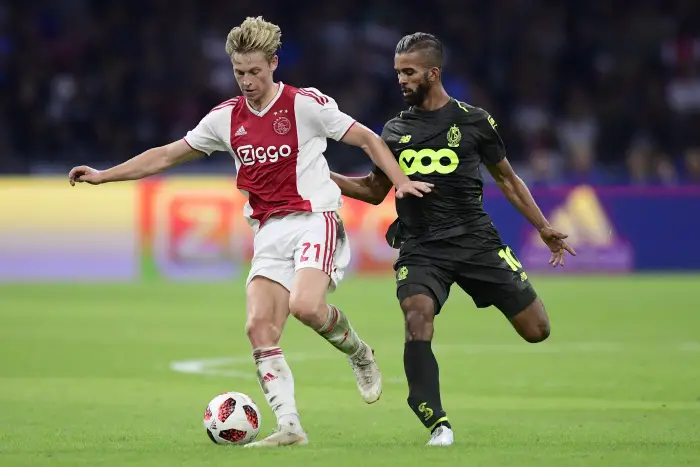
346,131
192,147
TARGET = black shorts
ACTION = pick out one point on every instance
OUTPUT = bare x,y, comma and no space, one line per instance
492,276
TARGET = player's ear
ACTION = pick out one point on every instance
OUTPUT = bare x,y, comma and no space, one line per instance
434,75
273,63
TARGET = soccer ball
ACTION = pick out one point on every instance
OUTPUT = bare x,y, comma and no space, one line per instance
232,418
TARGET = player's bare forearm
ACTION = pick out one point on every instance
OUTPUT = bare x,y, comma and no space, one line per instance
371,188
378,151
145,164
518,194
381,155
150,162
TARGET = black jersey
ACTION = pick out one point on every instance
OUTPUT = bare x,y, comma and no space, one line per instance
444,147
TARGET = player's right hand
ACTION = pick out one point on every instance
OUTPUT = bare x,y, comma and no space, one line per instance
85,174
414,188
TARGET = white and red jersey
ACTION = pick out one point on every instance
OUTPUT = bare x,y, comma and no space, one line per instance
278,150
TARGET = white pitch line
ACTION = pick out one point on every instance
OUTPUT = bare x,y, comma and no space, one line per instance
690,347
231,366
227,366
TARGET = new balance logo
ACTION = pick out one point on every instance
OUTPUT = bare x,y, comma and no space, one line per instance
269,377
240,132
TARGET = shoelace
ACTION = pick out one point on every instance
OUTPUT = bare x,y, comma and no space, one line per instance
363,368
364,371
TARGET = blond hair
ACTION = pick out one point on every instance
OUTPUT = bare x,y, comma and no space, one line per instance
254,35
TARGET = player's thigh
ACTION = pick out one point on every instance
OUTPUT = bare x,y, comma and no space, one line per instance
273,252
421,268
495,277
267,309
322,243
321,255
422,288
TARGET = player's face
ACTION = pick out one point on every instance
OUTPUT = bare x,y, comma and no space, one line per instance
414,77
253,73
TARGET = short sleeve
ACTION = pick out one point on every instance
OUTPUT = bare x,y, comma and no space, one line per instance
491,147
324,115
385,132
204,137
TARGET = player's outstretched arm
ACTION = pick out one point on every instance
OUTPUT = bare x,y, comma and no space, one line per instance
362,137
371,188
519,195
147,163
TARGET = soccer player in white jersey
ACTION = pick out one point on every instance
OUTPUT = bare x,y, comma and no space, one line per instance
276,135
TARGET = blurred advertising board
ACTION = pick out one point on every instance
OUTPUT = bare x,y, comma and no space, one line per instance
51,231
192,228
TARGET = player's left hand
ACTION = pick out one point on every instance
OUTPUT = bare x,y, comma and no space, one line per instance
555,241
414,188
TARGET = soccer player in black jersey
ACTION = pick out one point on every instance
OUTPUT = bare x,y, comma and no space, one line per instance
446,237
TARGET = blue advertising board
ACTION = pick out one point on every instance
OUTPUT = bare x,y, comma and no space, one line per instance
613,229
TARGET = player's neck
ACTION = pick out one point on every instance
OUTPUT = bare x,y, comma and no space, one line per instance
436,99
261,103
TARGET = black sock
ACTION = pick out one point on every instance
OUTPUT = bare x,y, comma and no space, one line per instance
423,378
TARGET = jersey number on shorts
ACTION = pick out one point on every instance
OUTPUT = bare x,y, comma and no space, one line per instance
508,257
308,245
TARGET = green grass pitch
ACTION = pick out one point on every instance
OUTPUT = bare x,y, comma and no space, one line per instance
86,378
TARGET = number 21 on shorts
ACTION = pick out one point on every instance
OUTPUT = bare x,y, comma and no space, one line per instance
315,252
509,258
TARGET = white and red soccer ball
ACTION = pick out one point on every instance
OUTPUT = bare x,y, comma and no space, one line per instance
232,418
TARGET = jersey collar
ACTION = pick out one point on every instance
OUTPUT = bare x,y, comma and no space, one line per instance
263,111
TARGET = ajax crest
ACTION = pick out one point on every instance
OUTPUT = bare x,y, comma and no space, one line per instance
281,125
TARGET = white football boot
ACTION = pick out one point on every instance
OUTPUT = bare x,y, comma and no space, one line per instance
367,374
287,435
442,436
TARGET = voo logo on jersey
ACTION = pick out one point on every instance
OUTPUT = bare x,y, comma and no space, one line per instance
427,161
249,155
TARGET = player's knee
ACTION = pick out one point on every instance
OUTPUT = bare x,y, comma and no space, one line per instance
537,332
419,315
536,328
308,309
262,331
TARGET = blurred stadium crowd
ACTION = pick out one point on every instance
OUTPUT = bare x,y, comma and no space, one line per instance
600,91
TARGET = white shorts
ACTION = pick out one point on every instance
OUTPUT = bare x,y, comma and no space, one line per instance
283,245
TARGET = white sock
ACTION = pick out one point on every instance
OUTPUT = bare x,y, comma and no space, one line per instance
339,332
277,383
